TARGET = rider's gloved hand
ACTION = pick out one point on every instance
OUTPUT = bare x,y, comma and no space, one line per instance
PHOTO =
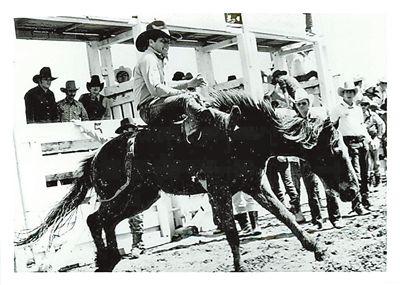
198,81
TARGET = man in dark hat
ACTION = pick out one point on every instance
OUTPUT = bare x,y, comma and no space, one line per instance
40,104
68,108
159,102
97,106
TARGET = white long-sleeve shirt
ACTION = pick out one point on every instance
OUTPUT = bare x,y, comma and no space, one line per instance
351,119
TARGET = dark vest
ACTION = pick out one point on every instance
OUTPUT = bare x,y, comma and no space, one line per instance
94,108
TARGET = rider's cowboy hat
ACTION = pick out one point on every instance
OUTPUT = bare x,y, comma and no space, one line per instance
301,94
95,82
69,86
157,29
123,69
347,86
125,124
276,74
45,72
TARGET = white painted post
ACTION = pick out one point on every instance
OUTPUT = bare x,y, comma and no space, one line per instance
247,46
205,68
107,69
93,58
324,75
279,61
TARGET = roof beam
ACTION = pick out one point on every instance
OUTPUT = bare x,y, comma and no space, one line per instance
120,38
296,50
220,45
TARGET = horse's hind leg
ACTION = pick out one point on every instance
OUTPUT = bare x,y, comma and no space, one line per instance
268,200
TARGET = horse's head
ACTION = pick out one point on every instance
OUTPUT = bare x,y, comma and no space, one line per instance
330,160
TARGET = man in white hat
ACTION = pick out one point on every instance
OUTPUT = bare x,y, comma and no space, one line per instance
122,74
159,103
355,136
68,108
303,102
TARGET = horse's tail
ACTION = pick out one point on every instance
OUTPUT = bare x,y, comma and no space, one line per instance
64,208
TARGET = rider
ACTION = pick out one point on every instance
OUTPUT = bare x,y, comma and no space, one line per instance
159,102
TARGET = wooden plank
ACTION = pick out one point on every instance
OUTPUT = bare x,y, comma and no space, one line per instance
117,112
229,84
93,58
61,176
123,87
123,98
107,69
69,146
127,109
249,59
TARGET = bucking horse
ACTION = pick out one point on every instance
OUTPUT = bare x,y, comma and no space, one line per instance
163,160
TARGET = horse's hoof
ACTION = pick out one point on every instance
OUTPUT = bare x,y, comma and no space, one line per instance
241,268
320,254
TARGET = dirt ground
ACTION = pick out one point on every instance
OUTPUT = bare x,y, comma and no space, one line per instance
360,246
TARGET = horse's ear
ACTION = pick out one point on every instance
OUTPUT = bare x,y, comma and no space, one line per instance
336,124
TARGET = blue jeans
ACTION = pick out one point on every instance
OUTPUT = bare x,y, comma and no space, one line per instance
273,168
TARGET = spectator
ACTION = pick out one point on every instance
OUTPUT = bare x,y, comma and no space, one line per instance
304,110
160,103
382,87
280,165
96,105
40,104
376,128
287,83
122,74
355,136
135,222
188,76
178,76
69,109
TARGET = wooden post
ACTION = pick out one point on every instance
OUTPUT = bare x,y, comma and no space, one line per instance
93,58
279,61
205,68
247,46
324,76
107,69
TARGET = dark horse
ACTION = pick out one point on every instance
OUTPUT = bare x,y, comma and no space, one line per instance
163,160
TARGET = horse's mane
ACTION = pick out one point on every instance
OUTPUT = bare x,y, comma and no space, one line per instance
259,112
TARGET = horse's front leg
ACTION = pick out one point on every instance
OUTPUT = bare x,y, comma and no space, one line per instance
268,200
224,212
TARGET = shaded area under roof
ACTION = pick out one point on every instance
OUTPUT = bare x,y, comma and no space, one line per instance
83,29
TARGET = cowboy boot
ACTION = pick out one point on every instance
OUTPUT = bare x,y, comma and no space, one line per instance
227,122
254,222
244,224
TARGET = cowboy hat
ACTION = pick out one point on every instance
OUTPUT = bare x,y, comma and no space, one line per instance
69,86
382,80
179,75
45,72
365,100
347,86
301,94
372,92
125,124
95,82
123,69
156,29
276,74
